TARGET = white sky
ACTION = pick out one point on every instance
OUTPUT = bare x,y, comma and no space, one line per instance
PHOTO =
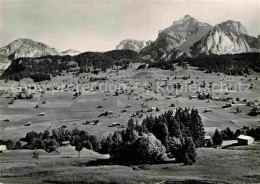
94,25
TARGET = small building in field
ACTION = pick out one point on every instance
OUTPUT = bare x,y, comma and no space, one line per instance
193,97
3,148
208,110
245,140
65,143
42,114
208,142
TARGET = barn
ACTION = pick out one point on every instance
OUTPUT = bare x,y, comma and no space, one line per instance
3,148
208,141
245,140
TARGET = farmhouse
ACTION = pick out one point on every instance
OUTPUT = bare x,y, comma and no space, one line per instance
28,124
42,114
193,97
208,110
153,108
208,141
245,140
65,143
3,148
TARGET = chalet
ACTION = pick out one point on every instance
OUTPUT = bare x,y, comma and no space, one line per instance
42,114
65,143
208,141
228,105
193,97
28,124
153,108
245,140
208,110
3,148
115,124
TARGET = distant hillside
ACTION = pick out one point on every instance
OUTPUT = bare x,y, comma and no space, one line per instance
42,67
4,62
70,52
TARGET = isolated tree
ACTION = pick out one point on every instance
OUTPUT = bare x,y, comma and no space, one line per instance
36,157
186,151
217,138
237,133
18,145
160,130
197,128
227,134
78,148
10,144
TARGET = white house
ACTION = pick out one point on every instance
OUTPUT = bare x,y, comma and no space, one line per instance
3,148
245,140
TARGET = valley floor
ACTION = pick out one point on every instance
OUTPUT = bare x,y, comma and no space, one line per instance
236,165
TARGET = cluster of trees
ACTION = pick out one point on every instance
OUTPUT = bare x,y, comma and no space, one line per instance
230,64
171,135
156,138
50,141
42,68
228,134
37,77
203,96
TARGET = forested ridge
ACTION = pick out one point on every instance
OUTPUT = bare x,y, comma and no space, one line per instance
42,68
229,64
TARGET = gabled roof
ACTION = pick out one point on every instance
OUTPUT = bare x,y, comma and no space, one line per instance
207,137
245,137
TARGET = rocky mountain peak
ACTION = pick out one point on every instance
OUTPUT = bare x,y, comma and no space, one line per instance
225,38
232,26
24,47
131,44
185,19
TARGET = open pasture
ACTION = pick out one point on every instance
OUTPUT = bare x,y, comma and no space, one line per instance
152,88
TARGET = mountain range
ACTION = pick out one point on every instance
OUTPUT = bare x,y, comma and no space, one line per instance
186,37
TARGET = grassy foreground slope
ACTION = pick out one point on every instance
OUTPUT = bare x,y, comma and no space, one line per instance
239,165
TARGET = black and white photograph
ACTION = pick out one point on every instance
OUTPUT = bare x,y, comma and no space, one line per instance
129,91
